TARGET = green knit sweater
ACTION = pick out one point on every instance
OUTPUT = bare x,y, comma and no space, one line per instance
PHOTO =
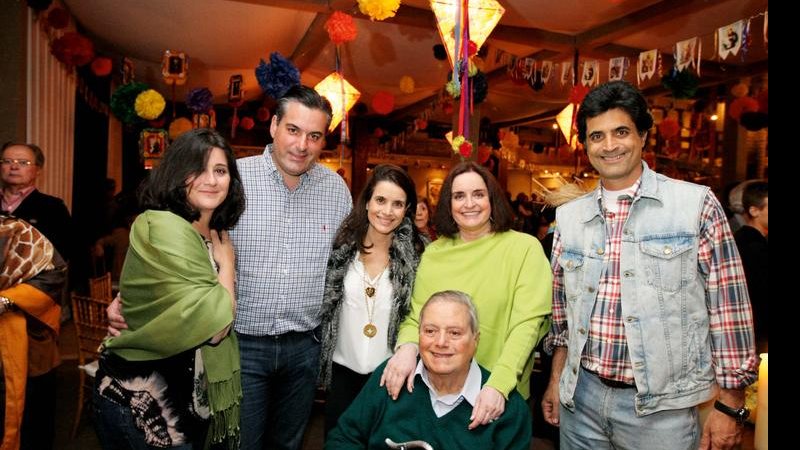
511,285
374,416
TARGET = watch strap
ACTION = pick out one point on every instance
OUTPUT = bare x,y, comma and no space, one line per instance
740,414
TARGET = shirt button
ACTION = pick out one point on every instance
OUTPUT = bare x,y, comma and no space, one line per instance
582,330
667,250
590,289
601,250
626,232
569,264
574,371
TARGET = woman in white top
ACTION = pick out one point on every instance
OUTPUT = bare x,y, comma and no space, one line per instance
368,286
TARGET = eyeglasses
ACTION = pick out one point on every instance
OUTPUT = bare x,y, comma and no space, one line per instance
19,162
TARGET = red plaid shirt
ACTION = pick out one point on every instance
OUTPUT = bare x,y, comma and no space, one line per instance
606,350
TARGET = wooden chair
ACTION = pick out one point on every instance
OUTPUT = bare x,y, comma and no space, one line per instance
91,322
100,287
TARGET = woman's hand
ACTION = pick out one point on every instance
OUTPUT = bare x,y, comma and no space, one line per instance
222,249
115,320
399,370
489,406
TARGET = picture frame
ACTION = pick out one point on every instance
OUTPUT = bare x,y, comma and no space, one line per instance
174,67
153,143
434,190
235,88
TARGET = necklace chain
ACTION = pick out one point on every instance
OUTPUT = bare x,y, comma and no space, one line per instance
370,330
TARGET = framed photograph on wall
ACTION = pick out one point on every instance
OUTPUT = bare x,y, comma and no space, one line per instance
434,189
152,144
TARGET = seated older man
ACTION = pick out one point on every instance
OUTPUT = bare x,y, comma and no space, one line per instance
446,386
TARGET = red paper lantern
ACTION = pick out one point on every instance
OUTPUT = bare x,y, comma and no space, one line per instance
247,123
378,133
263,114
58,18
341,28
421,124
669,128
742,105
383,102
101,66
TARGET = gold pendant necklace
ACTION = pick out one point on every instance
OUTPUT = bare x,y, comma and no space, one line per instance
370,330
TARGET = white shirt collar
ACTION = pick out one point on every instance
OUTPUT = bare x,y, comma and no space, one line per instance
443,404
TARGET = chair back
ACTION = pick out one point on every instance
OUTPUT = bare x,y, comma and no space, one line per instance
100,287
91,325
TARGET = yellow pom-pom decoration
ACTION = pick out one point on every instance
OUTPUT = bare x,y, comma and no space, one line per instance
178,127
378,9
406,84
149,104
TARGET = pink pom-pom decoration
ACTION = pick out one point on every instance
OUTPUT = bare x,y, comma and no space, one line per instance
101,66
341,28
247,123
73,49
383,102
742,105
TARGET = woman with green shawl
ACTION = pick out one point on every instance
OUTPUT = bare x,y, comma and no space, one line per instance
171,379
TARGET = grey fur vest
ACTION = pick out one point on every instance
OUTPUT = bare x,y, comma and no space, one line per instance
403,262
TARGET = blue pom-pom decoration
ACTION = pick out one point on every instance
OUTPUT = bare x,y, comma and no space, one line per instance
278,76
199,100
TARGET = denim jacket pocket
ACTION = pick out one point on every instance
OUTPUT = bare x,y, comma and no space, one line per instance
667,261
572,265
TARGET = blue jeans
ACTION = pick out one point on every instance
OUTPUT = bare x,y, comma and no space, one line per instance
116,428
279,379
605,418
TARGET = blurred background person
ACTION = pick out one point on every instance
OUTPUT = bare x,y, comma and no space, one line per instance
504,271
368,286
752,240
423,219
178,281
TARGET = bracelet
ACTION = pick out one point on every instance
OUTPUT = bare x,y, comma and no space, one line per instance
5,304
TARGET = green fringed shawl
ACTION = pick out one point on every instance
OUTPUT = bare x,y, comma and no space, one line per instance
173,302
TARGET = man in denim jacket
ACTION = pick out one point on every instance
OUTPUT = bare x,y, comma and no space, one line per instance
650,309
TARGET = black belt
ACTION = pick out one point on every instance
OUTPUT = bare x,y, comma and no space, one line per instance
616,384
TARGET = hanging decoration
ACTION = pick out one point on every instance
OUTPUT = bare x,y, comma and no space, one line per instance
58,18
199,101
383,102
247,123
740,89
73,49
406,84
617,67
263,114
687,54
742,105
149,104
682,84
547,71
646,67
340,93
127,71
341,28
730,39
564,120
278,76
122,102
178,127
591,73
566,73
482,15
378,9
101,66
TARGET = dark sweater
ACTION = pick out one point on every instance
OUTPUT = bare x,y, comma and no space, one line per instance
754,250
50,216
374,416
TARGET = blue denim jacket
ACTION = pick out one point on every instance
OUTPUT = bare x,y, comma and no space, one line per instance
664,309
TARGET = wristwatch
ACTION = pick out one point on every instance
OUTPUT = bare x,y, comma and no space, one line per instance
5,304
740,414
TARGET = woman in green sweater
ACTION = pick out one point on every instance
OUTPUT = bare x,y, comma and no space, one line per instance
505,272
